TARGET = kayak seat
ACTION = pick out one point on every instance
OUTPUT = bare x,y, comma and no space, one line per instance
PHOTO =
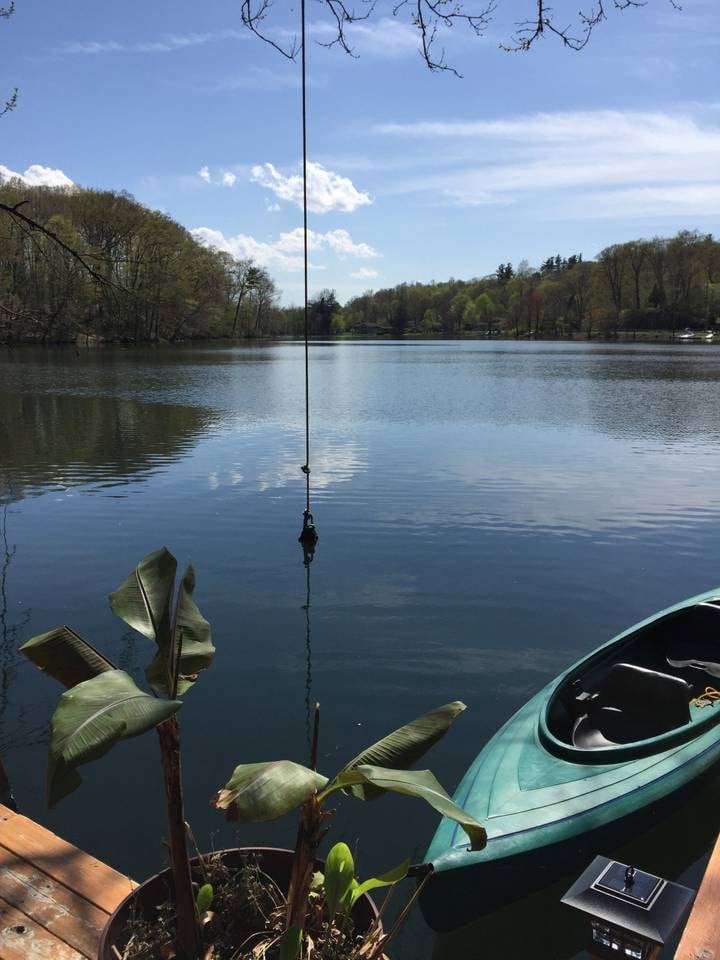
702,653
632,703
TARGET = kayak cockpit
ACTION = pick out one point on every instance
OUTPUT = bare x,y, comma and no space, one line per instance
632,704
639,692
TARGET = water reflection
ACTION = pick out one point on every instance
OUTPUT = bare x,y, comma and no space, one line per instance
489,513
675,847
59,440
19,725
333,462
308,549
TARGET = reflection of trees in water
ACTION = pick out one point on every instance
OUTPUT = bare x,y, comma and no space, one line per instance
664,395
67,439
18,724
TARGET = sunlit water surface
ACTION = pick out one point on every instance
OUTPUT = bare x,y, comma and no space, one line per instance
488,512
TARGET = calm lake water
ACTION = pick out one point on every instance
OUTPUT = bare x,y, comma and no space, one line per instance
487,512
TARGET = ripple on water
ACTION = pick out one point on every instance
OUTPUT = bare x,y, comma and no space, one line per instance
487,512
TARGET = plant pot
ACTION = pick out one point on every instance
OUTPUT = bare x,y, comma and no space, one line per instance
277,863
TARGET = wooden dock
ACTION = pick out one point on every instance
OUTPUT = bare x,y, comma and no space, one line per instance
54,899
701,938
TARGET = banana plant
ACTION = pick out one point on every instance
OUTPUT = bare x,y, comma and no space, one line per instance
103,705
336,890
265,791
342,889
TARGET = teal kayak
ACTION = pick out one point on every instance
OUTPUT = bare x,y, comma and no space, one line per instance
627,729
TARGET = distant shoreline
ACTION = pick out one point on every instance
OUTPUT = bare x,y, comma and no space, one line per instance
649,336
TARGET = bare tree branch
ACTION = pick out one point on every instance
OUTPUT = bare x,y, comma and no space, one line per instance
528,31
28,223
431,17
344,17
253,17
10,104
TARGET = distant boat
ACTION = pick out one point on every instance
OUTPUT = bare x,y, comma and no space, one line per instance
685,335
617,734
709,337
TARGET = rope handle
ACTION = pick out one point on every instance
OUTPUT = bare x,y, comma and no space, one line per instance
708,698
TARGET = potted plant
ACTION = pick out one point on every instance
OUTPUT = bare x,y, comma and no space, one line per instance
281,898
265,791
103,705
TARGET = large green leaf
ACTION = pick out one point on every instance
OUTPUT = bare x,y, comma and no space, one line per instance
266,791
65,656
204,898
91,718
144,602
384,880
402,748
414,783
339,877
193,640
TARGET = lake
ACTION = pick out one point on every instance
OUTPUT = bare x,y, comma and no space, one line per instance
487,513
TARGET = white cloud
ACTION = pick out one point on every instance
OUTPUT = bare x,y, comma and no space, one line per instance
37,175
701,200
326,190
658,157
285,253
165,44
273,207
223,178
365,273
386,38
343,245
257,78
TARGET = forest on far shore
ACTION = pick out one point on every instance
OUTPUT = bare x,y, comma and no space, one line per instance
104,268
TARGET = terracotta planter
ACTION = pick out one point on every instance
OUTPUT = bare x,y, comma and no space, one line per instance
277,863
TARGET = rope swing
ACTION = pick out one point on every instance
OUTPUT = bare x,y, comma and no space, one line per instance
308,535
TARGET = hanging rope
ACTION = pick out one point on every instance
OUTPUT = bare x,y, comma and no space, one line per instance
308,535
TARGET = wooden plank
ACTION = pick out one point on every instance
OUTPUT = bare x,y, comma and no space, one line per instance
78,871
70,917
701,938
23,939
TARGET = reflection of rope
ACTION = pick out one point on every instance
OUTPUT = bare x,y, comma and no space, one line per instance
308,656
708,698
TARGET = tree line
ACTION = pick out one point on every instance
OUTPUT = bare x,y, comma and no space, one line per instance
658,285
87,265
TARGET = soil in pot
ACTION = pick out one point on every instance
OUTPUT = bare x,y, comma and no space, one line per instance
249,887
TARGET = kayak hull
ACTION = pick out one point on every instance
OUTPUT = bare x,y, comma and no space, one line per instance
542,811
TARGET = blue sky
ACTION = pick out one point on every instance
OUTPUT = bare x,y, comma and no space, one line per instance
416,176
